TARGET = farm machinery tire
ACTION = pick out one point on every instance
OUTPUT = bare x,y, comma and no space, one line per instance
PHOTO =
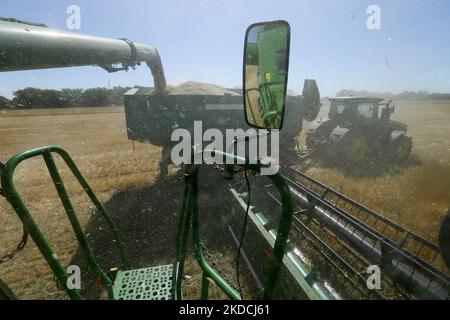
355,150
400,149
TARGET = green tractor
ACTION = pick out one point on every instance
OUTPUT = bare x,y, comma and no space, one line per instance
360,129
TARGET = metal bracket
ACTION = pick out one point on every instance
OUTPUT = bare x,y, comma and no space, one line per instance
312,277
132,63
133,59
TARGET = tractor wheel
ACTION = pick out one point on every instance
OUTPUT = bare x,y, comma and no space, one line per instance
311,142
320,136
356,150
400,149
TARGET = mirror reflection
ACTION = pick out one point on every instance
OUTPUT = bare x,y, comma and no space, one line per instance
265,73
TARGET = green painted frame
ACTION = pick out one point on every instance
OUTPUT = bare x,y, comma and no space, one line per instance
191,198
5,292
36,234
189,217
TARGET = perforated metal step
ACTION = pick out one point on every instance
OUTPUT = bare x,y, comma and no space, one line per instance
155,283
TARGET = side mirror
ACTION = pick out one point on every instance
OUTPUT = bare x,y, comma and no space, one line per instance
266,65
390,106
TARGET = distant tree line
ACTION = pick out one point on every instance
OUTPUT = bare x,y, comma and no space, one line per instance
406,95
65,98
5,103
100,97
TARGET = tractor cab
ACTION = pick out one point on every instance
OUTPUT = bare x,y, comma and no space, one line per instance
361,111
349,109
359,128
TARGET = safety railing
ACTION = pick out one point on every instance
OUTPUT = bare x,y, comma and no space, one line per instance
14,198
191,208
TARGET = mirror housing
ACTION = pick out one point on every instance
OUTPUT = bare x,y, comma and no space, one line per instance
266,66
444,239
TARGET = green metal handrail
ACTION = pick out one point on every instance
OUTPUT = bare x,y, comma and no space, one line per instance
189,216
11,194
283,230
5,292
182,236
208,271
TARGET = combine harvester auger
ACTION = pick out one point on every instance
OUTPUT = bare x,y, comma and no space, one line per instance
31,46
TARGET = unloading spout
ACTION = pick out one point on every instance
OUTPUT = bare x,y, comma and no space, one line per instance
26,46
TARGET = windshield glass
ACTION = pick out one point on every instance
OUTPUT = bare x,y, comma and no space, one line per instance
110,108
340,108
366,110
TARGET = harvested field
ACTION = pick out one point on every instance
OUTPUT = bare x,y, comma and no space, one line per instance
124,177
145,206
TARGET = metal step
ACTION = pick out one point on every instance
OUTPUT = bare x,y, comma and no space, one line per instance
154,283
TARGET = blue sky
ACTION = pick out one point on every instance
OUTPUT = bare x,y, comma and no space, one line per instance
202,40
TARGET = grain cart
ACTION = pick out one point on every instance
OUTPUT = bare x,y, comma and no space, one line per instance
358,129
221,109
333,238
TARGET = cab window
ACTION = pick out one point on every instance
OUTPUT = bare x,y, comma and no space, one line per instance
366,110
